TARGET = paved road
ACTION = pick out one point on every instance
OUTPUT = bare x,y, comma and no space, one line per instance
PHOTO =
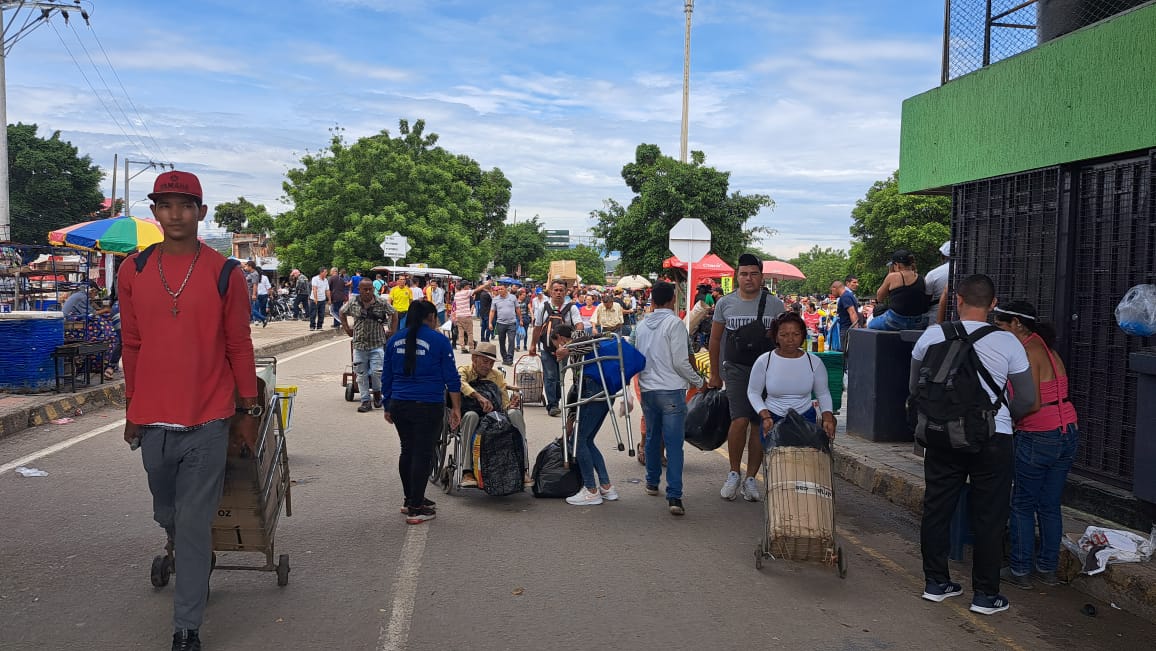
488,573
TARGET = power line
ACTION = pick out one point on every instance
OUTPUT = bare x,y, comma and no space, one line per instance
128,96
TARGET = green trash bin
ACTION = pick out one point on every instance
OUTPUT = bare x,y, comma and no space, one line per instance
833,360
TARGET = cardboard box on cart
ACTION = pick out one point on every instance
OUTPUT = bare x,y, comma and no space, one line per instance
800,503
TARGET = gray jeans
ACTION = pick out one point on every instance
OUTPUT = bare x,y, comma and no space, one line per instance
505,332
470,421
186,470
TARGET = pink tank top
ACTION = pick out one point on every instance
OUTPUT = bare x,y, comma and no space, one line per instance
1056,411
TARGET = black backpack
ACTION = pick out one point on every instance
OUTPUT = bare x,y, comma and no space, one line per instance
950,410
142,259
554,317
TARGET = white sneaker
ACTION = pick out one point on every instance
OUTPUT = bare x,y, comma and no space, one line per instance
609,494
585,498
730,489
751,492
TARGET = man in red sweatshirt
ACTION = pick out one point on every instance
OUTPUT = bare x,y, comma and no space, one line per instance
187,356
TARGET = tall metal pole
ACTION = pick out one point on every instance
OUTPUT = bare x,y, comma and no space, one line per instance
5,209
686,81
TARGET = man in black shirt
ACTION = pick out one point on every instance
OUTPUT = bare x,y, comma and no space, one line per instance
487,302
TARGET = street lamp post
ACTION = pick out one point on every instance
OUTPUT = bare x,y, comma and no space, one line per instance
686,81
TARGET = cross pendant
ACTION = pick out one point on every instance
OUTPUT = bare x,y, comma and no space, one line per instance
174,310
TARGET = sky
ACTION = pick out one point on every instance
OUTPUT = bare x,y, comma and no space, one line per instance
800,101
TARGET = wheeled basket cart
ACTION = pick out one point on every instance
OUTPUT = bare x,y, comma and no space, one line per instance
585,353
530,379
799,508
349,379
256,487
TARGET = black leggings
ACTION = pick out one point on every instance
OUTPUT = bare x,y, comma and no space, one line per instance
418,426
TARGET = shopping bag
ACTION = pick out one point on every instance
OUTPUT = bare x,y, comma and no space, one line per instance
708,417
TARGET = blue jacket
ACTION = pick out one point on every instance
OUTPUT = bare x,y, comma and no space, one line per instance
434,373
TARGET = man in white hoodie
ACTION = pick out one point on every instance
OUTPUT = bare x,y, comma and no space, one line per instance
663,339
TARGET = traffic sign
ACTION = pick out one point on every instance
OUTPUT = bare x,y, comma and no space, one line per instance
689,240
395,246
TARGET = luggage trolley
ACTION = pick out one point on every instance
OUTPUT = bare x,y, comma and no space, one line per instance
349,378
577,363
799,508
256,487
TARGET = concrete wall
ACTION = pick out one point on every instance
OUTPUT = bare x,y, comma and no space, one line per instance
1086,95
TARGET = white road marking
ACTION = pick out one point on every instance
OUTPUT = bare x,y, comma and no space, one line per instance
64,445
59,446
395,633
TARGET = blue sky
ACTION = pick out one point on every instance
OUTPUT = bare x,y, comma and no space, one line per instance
800,101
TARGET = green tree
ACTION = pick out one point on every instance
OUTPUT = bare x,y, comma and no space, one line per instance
243,216
884,221
821,266
519,244
667,190
589,262
50,185
347,198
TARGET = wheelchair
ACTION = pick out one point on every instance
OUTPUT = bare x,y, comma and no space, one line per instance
449,451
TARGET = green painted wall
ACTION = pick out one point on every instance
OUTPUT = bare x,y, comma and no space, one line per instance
1088,94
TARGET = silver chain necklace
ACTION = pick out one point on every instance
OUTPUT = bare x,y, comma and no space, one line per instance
189,274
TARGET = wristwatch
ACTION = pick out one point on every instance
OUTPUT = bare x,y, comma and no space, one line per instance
255,411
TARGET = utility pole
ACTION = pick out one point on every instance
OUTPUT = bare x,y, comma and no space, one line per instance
148,165
686,80
112,201
30,23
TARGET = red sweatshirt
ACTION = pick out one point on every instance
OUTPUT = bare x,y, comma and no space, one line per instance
183,370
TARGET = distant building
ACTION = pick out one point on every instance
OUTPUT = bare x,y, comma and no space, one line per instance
557,240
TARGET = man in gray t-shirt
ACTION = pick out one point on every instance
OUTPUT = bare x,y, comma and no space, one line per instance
504,316
732,312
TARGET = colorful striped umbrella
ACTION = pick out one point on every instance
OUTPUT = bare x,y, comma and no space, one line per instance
119,235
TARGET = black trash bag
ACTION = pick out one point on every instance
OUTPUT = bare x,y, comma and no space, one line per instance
487,389
551,478
501,458
708,418
794,431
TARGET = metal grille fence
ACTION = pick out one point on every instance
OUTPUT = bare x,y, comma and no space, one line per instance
981,32
1115,248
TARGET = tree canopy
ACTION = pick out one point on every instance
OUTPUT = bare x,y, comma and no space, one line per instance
243,216
884,221
589,262
821,267
667,190
519,244
50,185
347,198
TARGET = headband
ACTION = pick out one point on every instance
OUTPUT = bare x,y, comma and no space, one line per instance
1010,313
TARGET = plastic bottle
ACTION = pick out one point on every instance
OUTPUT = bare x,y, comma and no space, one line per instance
822,343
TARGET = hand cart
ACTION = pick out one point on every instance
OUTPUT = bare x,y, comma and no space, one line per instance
583,353
256,487
799,508
349,379
530,380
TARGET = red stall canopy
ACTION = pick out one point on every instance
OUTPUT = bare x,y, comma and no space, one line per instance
711,266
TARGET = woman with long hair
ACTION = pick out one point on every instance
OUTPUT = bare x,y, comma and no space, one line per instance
906,294
1045,447
419,369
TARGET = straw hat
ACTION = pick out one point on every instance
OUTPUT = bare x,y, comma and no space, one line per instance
486,349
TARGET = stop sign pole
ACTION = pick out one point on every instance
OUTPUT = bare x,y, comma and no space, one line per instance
689,240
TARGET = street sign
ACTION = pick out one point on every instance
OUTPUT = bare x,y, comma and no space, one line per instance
395,246
689,241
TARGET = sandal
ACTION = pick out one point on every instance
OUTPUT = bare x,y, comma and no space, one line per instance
642,453
109,374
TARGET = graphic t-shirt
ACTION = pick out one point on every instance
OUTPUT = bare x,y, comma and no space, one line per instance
734,312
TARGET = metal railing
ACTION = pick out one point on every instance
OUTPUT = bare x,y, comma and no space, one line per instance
978,33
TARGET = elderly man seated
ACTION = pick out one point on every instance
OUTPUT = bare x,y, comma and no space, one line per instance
482,368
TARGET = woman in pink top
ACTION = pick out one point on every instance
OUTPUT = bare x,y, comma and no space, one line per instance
1045,447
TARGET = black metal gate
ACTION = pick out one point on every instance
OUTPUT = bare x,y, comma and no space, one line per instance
1114,232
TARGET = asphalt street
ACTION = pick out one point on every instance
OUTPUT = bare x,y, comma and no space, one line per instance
488,573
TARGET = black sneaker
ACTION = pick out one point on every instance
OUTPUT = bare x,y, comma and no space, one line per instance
651,489
365,406
988,604
420,515
377,401
676,507
1046,578
937,592
430,504
186,640
1006,575
554,411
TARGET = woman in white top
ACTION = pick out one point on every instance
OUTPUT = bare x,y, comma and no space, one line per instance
787,377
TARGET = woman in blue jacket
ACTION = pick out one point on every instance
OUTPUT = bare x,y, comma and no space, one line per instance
419,369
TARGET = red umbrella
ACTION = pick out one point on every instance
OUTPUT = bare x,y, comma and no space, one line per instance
780,270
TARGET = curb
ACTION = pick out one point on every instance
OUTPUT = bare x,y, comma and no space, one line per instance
1130,586
112,393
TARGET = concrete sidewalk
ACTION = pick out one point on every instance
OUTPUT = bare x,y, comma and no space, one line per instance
21,411
893,471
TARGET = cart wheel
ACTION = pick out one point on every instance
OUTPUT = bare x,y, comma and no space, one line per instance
161,570
840,562
350,396
283,570
448,476
758,557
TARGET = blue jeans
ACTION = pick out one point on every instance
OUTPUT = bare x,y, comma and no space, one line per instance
367,364
1042,462
590,419
665,414
893,322
552,376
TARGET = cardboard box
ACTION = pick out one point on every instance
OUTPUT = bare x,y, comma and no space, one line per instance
800,500
565,270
